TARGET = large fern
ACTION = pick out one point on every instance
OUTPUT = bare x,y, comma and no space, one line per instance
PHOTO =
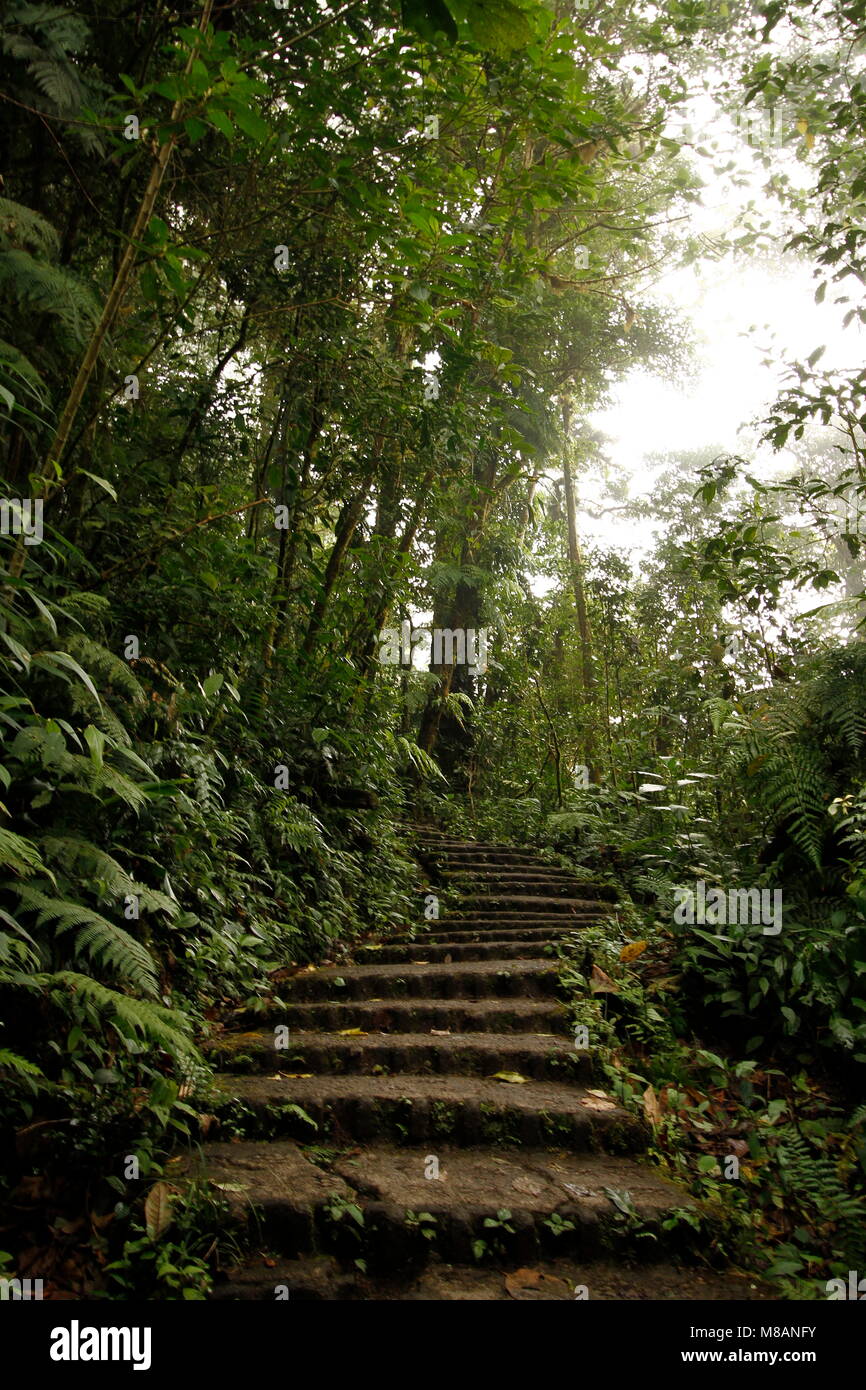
20,855
29,285
42,43
804,742
97,938
98,868
133,1018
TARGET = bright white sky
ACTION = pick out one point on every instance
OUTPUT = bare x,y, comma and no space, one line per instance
739,309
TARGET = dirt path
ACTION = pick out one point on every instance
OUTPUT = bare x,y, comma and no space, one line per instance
427,1176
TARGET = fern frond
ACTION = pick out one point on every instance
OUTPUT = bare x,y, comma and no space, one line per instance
58,82
22,227
418,759
101,869
97,938
19,1066
20,855
106,668
35,285
134,1019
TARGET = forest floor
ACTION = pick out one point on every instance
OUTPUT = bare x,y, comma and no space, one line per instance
423,1123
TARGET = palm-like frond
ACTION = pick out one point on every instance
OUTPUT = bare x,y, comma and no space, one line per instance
97,938
134,1019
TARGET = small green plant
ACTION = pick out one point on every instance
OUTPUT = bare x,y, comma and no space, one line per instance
422,1222
172,1254
558,1225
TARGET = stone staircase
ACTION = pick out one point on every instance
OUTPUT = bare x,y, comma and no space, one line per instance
431,1126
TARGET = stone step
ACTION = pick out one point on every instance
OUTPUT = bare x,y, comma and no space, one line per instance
417,1015
514,922
487,861
498,979
551,1057
425,949
522,886
506,872
413,1109
492,905
555,930
449,844
542,1203
325,1278
430,835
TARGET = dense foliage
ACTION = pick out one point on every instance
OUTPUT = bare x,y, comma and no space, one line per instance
302,312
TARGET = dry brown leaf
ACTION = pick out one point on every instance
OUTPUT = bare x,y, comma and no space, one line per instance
531,1189
157,1210
531,1285
600,983
651,1107
597,1100
632,951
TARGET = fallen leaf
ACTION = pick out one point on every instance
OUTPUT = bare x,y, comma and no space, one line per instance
597,1100
531,1189
157,1210
351,1033
632,951
651,1107
664,982
294,1075
600,983
531,1285
574,1191
65,1226
441,1032
512,1076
